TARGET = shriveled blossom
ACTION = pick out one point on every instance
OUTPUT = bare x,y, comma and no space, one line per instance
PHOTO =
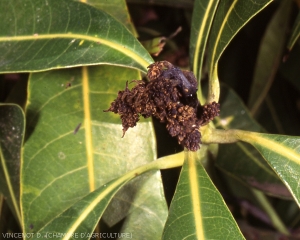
170,96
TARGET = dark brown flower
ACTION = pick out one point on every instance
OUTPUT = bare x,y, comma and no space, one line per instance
171,97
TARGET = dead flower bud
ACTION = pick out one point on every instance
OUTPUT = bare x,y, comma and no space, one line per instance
171,97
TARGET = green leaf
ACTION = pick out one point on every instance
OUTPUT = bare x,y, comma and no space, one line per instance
155,45
239,159
234,113
203,14
269,56
283,155
82,217
139,200
230,17
40,35
170,3
198,211
73,147
12,125
118,9
281,152
78,220
295,33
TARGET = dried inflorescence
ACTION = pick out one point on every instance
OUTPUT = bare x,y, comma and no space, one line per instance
171,97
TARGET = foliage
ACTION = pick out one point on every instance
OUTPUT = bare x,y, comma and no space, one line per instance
67,173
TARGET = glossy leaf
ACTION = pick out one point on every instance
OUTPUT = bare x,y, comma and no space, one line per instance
240,159
230,17
198,211
42,35
117,8
82,216
295,33
78,220
73,147
203,14
12,125
269,56
282,153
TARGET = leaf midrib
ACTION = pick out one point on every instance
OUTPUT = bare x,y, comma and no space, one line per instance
88,127
214,59
121,48
258,139
200,37
194,188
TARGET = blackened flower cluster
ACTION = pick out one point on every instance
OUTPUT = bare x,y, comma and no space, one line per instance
170,95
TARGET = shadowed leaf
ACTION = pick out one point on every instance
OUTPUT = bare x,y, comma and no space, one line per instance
12,126
239,159
295,33
269,56
230,17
